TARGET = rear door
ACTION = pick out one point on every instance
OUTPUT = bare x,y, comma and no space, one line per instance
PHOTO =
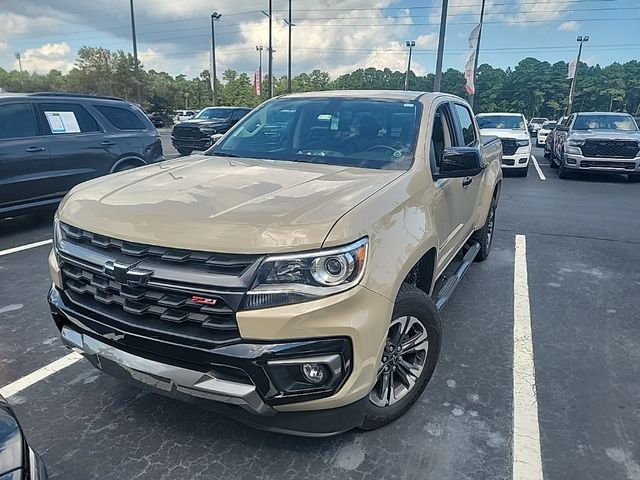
25,163
81,148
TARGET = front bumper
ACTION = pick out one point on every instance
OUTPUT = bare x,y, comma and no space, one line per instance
520,159
541,139
576,161
193,143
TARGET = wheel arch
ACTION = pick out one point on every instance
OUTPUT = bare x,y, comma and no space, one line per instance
128,159
422,273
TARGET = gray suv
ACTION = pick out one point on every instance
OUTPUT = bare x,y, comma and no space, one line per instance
50,142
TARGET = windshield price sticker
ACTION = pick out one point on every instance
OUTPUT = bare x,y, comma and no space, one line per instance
62,122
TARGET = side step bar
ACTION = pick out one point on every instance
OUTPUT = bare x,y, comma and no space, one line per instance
452,282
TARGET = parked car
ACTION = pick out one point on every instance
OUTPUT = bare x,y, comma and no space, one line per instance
598,142
50,142
551,138
200,132
511,129
157,119
535,124
543,132
17,460
182,115
288,277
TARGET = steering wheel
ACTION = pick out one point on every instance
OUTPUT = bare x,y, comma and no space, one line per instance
396,153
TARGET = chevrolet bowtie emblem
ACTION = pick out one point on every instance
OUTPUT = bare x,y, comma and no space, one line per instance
128,274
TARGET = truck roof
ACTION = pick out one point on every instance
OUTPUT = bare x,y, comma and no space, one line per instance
504,114
369,94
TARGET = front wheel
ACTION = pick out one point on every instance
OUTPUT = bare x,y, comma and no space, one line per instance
184,151
524,171
410,355
484,236
634,177
562,170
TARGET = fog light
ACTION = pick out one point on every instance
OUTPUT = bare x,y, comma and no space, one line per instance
313,372
522,160
571,161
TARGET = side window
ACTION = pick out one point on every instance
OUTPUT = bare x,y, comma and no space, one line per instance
237,115
121,118
441,137
64,118
466,123
17,121
568,120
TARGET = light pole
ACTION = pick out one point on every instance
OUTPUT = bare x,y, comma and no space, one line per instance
409,44
270,48
572,90
289,24
17,54
472,97
135,56
215,16
259,48
443,27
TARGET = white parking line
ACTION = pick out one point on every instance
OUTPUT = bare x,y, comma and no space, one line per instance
527,460
40,374
24,247
538,169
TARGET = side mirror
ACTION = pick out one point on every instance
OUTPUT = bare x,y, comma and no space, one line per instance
460,162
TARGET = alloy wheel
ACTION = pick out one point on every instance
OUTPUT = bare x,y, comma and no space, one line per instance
403,360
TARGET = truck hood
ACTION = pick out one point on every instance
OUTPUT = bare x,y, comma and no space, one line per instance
200,122
604,135
505,133
227,205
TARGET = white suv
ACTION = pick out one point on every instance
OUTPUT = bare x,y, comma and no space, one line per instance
511,129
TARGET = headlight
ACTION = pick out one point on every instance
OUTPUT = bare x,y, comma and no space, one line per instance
57,231
573,142
286,279
208,130
522,143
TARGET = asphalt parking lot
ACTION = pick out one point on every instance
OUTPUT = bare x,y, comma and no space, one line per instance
583,288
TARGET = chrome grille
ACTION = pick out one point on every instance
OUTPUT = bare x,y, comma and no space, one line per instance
610,148
187,132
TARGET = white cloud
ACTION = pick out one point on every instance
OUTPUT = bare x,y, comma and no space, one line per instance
4,46
524,13
570,26
47,57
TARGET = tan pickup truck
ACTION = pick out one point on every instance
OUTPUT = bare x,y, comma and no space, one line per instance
292,276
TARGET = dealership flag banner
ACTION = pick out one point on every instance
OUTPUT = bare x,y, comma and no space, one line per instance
572,68
257,82
469,70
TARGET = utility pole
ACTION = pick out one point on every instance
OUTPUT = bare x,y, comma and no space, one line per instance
270,49
409,44
215,16
259,48
572,90
443,27
135,56
288,22
17,54
473,96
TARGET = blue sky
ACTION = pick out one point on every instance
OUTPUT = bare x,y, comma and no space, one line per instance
334,35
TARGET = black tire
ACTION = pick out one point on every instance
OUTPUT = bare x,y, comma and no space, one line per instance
484,236
410,302
562,170
634,177
128,165
523,172
552,162
547,154
184,151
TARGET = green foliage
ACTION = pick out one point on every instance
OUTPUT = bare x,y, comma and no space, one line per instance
532,87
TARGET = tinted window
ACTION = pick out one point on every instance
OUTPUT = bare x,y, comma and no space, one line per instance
121,118
215,113
356,132
468,131
604,122
63,118
441,137
17,121
507,122
238,114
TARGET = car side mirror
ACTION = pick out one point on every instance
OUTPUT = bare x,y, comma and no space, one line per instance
460,162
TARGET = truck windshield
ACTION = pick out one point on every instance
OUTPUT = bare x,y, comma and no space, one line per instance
356,132
510,122
214,113
605,122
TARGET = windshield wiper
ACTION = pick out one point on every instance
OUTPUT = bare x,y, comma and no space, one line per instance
224,154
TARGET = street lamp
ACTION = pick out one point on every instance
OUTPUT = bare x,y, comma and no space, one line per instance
410,44
581,39
289,24
270,49
215,17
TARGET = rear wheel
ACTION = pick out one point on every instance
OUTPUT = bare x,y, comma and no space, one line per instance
128,165
484,236
409,358
184,151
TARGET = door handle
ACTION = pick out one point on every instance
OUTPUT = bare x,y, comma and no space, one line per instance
35,149
108,143
467,181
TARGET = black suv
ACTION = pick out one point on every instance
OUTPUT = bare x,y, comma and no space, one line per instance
50,142
196,133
